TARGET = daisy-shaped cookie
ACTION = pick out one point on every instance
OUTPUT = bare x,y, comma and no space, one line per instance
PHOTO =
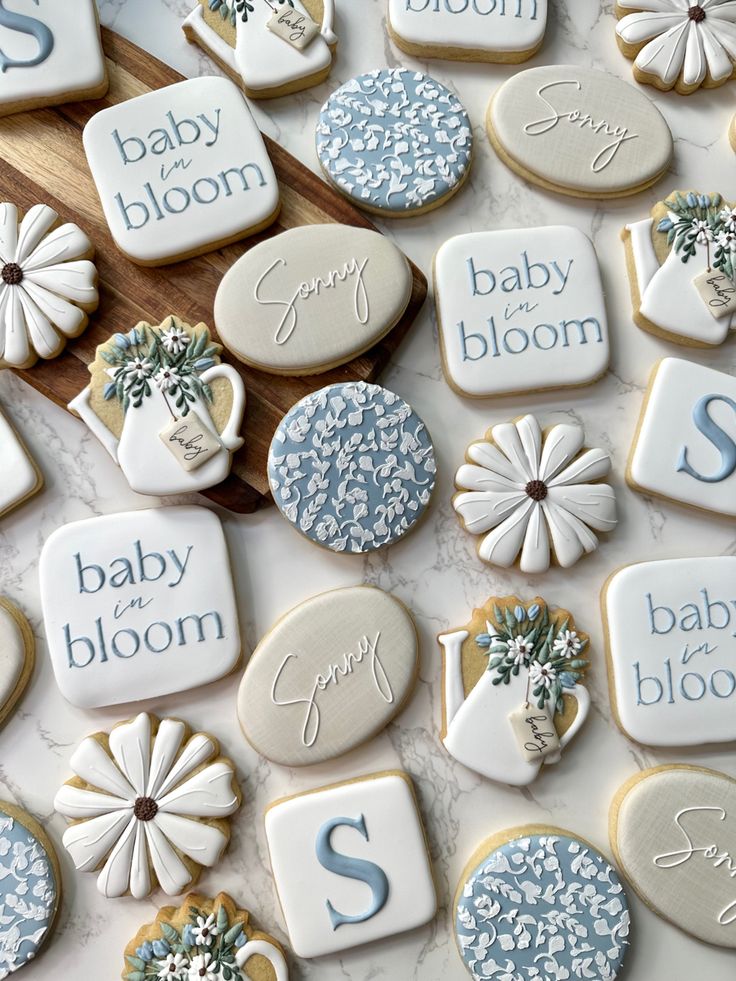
47,285
680,44
148,805
534,493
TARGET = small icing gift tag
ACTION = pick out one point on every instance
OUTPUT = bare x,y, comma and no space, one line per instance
718,293
535,732
191,442
298,29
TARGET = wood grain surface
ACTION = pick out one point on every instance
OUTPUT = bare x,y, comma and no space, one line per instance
43,161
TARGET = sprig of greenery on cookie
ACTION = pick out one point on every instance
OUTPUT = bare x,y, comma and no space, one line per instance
702,219
205,950
229,9
170,358
527,638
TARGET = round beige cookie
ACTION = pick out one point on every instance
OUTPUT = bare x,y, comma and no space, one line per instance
204,937
183,793
672,830
17,656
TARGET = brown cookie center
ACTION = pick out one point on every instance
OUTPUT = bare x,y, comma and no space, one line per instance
145,808
536,489
696,13
12,274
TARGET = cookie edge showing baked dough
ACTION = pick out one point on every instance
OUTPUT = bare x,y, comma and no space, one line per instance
732,134
193,36
613,823
178,916
501,838
29,643
376,730
631,51
527,175
36,829
37,487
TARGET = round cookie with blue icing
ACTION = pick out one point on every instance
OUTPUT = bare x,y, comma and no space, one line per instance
395,141
352,467
30,888
540,902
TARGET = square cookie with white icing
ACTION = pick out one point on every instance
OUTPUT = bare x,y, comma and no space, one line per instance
50,53
520,310
685,446
181,171
21,478
350,863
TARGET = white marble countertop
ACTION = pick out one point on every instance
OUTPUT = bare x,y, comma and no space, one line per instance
436,571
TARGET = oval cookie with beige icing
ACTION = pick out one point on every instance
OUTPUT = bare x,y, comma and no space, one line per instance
330,675
579,131
673,831
312,298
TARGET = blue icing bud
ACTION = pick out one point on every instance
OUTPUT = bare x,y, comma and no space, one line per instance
665,225
121,340
161,948
533,611
567,680
109,390
187,936
692,200
241,940
145,951
520,613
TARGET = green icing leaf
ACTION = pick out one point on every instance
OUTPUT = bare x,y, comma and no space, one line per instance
136,962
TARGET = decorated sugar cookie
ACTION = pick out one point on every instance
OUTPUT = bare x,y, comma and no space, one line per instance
50,53
520,311
165,407
678,44
539,902
350,863
312,298
48,284
30,888
270,47
732,133
203,938
148,806
670,626
534,495
673,831
684,448
468,30
329,676
138,605
17,656
352,467
682,269
181,171
21,479
395,142
579,131
513,680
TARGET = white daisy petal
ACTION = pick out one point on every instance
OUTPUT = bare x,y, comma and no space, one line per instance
637,28
570,537
140,873
727,36
664,5
695,64
481,511
78,803
90,841
41,334
595,504
471,477
201,842
8,233
114,878
530,434
720,63
564,441
197,751
37,223
489,456
208,793
535,553
171,872
58,312
502,545
591,465
90,762
166,746
16,349
64,244
130,745
506,436
74,281
665,55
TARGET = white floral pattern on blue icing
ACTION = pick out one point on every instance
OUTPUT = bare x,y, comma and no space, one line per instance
352,467
394,139
27,895
543,907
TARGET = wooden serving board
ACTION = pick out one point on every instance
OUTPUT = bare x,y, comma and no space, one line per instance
43,161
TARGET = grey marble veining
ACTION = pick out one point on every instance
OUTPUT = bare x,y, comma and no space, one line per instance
435,571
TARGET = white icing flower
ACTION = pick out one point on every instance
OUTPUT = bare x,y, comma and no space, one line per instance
173,967
203,968
728,217
567,644
685,42
144,802
167,377
533,494
47,287
205,930
542,674
727,241
137,369
519,649
702,231
175,340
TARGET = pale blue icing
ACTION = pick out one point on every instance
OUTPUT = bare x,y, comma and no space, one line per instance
28,892
26,25
394,139
352,467
352,868
544,906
